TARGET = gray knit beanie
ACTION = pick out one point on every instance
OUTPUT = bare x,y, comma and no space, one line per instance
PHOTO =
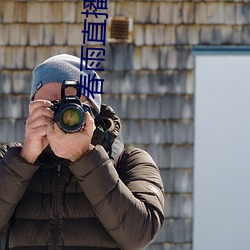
59,68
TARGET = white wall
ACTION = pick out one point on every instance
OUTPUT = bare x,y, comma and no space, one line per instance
222,153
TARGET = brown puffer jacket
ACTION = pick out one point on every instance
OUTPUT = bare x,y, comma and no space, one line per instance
94,203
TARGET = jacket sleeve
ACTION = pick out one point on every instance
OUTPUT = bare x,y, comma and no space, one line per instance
128,204
15,174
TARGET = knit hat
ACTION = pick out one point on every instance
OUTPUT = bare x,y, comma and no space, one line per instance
63,67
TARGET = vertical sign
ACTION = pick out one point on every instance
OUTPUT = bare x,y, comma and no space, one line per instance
93,32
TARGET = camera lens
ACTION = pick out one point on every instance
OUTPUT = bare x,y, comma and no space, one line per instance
70,117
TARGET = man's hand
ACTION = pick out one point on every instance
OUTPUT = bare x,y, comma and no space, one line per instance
35,141
71,146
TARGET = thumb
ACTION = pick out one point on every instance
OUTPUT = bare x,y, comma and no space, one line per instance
89,124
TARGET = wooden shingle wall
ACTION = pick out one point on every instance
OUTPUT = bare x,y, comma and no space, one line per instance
150,82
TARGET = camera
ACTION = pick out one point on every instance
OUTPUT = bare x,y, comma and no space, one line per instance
70,112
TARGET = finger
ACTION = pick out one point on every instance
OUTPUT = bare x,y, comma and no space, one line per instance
38,103
89,124
37,132
38,122
41,111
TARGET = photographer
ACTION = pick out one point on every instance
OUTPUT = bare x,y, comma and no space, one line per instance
75,189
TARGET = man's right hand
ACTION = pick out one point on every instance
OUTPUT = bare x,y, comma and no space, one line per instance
35,141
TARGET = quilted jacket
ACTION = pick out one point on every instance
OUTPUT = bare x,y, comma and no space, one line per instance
102,201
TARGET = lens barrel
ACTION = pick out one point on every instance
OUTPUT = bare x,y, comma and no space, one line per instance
70,117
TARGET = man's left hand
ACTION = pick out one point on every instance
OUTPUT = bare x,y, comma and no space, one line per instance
71,146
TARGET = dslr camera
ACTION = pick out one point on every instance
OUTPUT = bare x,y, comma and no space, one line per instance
70,112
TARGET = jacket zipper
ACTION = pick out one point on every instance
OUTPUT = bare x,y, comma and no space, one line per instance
56,232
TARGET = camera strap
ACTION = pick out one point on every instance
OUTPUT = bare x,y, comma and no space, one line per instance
106,133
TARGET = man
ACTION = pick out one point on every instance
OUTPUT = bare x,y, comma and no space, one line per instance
78,190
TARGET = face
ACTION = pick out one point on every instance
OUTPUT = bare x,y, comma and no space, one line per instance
52,92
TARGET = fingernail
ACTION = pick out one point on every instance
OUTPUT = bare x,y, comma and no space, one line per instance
47,102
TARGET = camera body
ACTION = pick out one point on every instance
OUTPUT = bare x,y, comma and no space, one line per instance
70,112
